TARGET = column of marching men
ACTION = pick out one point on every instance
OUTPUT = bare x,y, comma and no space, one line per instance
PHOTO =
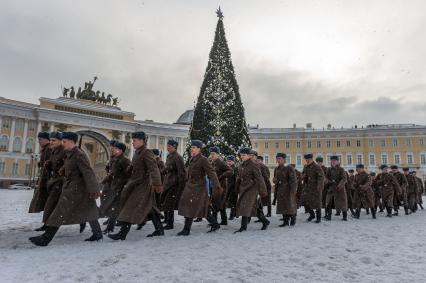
145,189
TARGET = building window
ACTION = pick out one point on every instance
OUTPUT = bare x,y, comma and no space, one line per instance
359,159
287,144
370,143
5,123
298,144
277,145
395,142
397,159
337,143
409,158
384,159
309,144
288,159
328,144
358,143
423,159
32,126
266,159
383,143
372,160
15,169
298,160
421,141
29,146
2,166
339,158
255,145
327,159
19,125
318,144
17,144
348,143
266,145
4,142
27,169
349,159
408,142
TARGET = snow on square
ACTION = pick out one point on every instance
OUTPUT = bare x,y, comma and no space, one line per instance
365,250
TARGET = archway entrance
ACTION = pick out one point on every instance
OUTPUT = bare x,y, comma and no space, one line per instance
95,145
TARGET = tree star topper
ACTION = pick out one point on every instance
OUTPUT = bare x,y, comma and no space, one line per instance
219,13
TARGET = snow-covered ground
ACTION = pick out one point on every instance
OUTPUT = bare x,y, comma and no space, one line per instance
365,250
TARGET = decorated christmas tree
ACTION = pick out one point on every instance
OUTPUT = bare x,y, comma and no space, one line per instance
219,113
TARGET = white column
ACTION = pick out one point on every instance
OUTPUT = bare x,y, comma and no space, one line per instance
12,135
37,145
156,141
181,145
165,149
1,123
52,128
123,137
24,139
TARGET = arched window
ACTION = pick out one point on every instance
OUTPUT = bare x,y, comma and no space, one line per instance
29,146
5,123
4,143
17,144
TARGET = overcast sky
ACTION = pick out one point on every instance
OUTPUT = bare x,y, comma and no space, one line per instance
339,62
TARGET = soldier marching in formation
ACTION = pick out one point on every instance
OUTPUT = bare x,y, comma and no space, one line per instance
133,192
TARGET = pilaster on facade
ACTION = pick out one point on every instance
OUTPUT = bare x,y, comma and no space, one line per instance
12,135
24,138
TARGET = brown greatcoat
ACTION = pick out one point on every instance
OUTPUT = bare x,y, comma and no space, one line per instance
223,172
137,197
266,175
54,185
113,184
249,185
74,205
40,192
162,168
387,185
194,202
336,193
325,189
420,190
313,184
400,197
411,191
363,192
174,182
285,182
299,188
350,189
232,194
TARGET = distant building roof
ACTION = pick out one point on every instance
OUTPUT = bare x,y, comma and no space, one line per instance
186,118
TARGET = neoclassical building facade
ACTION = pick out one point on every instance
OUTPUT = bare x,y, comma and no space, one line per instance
97,123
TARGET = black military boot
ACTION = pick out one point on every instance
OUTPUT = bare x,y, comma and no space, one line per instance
286,220
223,217
96,231
110,227
244,221
269,211
121,235
373,213
389,211
159,230
318,214
105,222
262,218
337,213
328,213
170,216
44,239
406,211
396,212
357,213
198,219
212,222
141,225
292,220
42,228
233,214
345,215
367,211
352,211
82,227
311,215
187,228
421,206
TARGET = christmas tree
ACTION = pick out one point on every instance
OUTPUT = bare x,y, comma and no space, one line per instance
219,113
